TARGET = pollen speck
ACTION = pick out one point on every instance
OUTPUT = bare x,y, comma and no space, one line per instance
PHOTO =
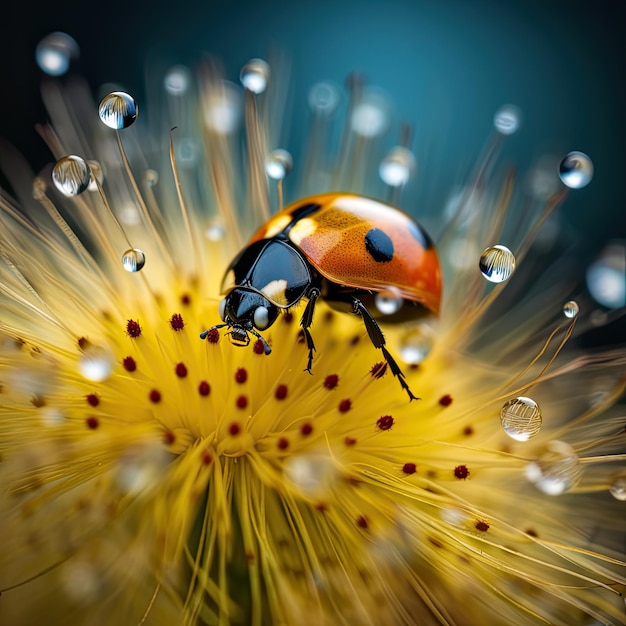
482,526
409,468
129,364
282,443
241,402
241,375
445,400
155,396
181,370
468,431
345,405
385,422
281,392
133,329
38,401
176,322
204,389
349,441
361,521
331,381
92,399
461,472
92,422
83,343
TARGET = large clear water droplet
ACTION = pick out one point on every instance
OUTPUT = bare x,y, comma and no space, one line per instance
96,363
311,474
521,418
133,260
118,110
417,342
71,175
255,75
397,167
606,276
389,300
507,119
278,164
556,470
576,170
570,309
618,487
324,98
497,263
55,52
370,115
177,80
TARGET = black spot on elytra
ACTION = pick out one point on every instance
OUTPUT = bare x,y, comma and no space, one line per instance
379,245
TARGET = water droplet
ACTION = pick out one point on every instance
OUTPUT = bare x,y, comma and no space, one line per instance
118,110
187,151
129,215
389,300
370,116
71,175
417,342
223,107
507,119
141,467
176,81
97,176
96,363
133,260
618,487
311,474
606,276
570,309
521,418
215,230
324,98
576,170
55,52
51,416
397,166
254,75
454,516
151,177
497,263
278,164
556,470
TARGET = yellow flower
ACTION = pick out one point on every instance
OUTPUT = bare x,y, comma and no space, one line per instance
151,477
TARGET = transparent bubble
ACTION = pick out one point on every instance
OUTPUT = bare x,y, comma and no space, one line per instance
416,344
96,363
497,263
215,230
187,151
606,276
324,98
51,416
576,170
255,75
97,176
223,107
397,167
507,119
133,260
177,80
453,516
311,474
278,164
151,177
618,487
556,470
129,215
370,116
71,175
521,418
55,52
389,300
570,309
141,467
118,110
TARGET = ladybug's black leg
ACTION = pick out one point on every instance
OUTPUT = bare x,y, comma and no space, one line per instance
378,339
305,321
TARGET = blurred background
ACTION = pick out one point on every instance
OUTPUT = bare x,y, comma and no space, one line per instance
447,64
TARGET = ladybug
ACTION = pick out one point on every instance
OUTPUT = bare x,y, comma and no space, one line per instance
343,248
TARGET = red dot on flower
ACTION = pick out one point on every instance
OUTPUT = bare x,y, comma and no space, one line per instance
92,422
468,430
258,347
331,381
83,343
409,468
461,472
445,400
281,392
241,402
361,521
234,429
301,338
133,329
204,389
349,441
155,396
282,443
345,405
482,526
241,375
207,458
185,299
288,318
385,422
306,429
92,399
322,507
181,370
176,321
169,437
130,365
355,340
213,336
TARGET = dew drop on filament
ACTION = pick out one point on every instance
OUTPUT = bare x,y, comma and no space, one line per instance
497,263
397,166
507,119
556,470
55,52
118,110
576,170
278,164
255,75
71,175
389,300
618,487
133,260
570,309
521,418
96,363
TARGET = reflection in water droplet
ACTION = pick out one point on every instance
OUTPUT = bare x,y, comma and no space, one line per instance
576,170
556,470
223,107
324,98
215,230
389,300
278,164
521,418
570,309
151,177
97,176
71,175
507,119
254,75
55,52
370,116
176,81
417,342
96,363
606,276
118,110
133,260
397,166
618,487
497,263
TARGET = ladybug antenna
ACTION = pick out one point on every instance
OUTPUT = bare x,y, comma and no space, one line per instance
266,347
